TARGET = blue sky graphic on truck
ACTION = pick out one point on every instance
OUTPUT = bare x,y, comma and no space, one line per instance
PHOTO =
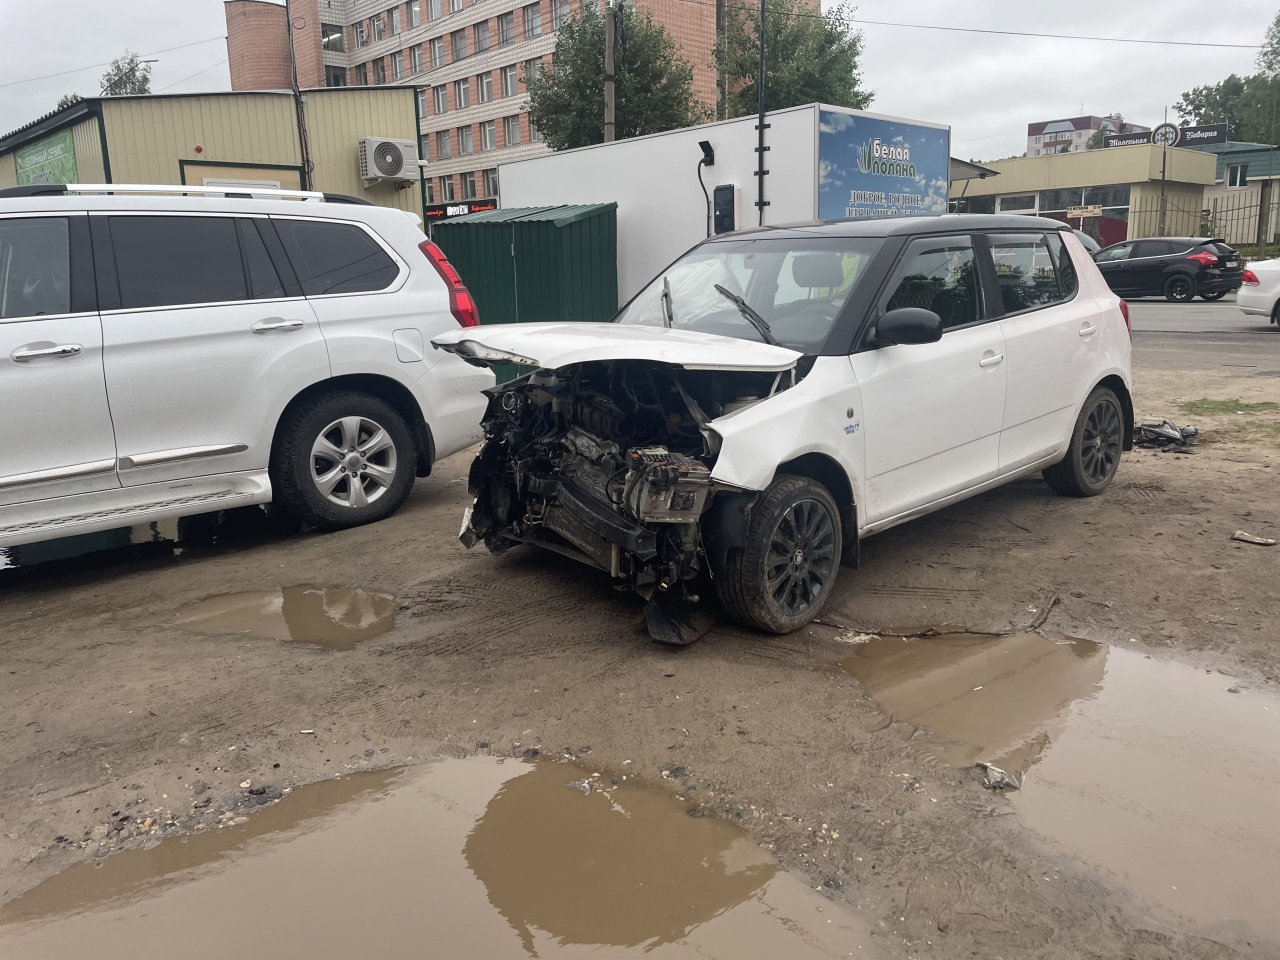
871,167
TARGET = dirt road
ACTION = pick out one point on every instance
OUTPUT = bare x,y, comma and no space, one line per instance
132,699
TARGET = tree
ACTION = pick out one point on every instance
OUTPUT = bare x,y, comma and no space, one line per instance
810,57
1219,102
653,91
126,75
68,100
1097,140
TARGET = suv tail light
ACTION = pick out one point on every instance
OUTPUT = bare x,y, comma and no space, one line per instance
461,304
1124,312
1204,258
1250,279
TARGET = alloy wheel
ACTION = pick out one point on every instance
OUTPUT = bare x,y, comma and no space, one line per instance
1180,288
1101,442
801,558
353,462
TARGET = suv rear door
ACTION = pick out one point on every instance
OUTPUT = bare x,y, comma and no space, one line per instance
56,429
206,339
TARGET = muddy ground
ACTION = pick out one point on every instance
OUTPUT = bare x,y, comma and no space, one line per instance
115,713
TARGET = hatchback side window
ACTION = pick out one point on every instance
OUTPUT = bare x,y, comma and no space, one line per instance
1068,279
939,274
35,267
1025,271
335,257
1154,248
170,261
1121,251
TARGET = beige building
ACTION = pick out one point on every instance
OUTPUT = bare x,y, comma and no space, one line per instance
1113,194
219,139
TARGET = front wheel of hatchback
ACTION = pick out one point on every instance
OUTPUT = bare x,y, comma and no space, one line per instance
784,574
342,459
1216,295
1096,444
1179,288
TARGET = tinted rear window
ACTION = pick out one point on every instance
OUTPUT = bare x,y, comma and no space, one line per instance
34,267
335,257
168,261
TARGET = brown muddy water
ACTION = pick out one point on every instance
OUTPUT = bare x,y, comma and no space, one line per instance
1164,776
463,858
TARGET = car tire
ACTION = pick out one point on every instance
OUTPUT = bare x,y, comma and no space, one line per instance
1096,444
784,574
1180,288
1217,295
342,459
1275,314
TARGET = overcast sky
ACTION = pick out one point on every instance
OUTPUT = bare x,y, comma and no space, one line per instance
986,87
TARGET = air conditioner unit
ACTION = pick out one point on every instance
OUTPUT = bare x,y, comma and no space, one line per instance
383,159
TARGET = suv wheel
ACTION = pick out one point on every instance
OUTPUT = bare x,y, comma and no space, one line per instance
1216,295
341,460
779,581
1096,444
1179,288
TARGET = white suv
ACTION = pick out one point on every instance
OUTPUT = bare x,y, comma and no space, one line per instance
776,395
163,355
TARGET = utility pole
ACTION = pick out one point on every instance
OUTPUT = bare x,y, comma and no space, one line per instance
610,67
304,142
761,127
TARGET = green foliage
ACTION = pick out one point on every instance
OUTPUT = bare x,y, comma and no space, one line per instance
1250,105
653,92
127,75
68,100
808,58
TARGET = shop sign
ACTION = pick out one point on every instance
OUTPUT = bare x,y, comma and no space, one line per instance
1091,210
435,212
49,160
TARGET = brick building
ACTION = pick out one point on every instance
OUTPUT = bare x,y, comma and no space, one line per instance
468,59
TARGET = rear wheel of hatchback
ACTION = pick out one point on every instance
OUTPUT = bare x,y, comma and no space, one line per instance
1096,444
1180,288
1216,295
342,459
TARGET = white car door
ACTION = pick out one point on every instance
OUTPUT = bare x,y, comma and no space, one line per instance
56,431
205,342
1051,333
932,412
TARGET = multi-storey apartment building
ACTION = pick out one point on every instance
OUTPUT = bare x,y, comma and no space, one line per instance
1071,134
468,59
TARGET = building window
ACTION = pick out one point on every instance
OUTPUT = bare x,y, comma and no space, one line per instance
461,94
397,65
395,20
484,82
424,147
532,21
433,9
415,58
560,12
507,28
437,52
535,135
441,97
1237,175
469,186
458,42
335,77
511,131
446,190
465,145
332,39
482,36
491,183
431,190
1025,203
362,75
444,146
415,12
379,71
510,78
532,70
455,6
488,135
362,35
379,28
422,102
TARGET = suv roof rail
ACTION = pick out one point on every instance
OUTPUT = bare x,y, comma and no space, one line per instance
170,189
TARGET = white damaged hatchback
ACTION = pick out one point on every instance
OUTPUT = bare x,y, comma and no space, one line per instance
774,396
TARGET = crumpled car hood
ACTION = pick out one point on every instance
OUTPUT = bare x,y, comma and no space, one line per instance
556,345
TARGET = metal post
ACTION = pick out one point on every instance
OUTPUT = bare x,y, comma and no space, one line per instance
1164,203
610,66
304,142
761,127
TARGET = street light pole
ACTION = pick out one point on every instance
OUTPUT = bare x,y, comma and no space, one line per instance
761,127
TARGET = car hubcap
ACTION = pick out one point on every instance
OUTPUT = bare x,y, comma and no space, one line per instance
1102,441
1180,288
353,462
801,557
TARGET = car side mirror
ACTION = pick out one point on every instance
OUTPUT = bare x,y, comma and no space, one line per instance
908,325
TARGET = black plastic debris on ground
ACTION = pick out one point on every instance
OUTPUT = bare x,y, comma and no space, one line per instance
1165,437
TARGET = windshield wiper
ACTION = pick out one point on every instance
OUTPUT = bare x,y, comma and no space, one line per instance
744,308
668,304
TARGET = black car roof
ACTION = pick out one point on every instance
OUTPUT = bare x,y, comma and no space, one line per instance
902,226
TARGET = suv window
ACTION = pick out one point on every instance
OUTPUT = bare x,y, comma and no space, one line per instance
1025,271
939,274
166,261
35,267
264,281
335,257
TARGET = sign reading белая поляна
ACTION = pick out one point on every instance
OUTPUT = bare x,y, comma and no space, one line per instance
1170,135
874,167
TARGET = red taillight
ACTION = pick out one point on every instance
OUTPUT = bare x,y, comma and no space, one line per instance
1204,258
1124,312
461,303
1250,279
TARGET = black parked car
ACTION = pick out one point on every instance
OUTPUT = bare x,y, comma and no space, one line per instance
1177,268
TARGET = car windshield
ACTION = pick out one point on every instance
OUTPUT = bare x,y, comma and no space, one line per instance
782,290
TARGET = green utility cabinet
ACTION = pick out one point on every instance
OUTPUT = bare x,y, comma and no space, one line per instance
535,264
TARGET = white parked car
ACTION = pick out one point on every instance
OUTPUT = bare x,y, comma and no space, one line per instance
1259,293
164,355
776,395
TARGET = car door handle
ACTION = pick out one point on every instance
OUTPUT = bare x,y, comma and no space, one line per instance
992,360
275,323
22,355
1087,329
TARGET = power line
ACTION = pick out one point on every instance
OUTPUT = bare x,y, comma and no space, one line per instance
107,63
1057,36
193,76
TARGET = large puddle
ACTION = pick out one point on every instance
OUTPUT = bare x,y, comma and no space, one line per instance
470,858
1163,775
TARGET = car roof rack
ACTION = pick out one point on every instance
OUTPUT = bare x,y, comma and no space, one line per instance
170,189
